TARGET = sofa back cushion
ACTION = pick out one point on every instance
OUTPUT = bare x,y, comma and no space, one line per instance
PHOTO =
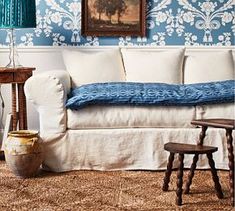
210,66
153,65
87,67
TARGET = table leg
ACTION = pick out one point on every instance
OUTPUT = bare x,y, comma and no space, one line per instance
202,135
231,163
22,108
14,114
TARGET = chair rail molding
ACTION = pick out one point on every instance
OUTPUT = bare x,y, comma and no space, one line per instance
39,49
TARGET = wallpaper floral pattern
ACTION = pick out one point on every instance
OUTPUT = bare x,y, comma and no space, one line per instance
169,22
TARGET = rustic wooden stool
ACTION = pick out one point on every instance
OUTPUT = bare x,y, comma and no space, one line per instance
182,149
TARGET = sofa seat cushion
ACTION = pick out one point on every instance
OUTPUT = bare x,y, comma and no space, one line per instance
130,117
226,110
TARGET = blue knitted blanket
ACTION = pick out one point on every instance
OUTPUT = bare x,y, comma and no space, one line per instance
157,94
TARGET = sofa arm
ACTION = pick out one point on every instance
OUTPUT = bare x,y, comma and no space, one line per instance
48,92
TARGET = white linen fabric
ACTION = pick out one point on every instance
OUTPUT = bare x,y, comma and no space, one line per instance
153,66
204,67
226,110
94,67
48,92
125,149
126,143
130,116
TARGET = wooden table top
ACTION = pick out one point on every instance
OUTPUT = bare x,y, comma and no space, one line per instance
218,123
17,69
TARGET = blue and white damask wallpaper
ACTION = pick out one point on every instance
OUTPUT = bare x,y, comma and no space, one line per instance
169,22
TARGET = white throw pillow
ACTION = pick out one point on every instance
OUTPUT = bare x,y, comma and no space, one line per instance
94,67
209,66
153,66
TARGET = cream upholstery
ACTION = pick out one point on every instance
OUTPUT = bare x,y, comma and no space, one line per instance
206,67
94,67
125,149
48,92
154,66
216,111
117,138
130,117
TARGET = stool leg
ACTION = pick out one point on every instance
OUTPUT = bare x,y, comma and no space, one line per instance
191,174
168,172
215,177
231,163
180,180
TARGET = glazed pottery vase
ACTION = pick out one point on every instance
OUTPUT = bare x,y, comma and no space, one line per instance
23,152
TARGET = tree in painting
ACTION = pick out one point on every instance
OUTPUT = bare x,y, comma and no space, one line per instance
100,6
110,8
120,7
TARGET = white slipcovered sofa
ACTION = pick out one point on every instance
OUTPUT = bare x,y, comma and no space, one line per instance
126,137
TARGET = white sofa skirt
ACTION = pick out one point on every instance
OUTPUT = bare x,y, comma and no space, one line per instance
125,149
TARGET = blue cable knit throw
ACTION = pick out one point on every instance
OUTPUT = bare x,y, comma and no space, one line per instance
157,94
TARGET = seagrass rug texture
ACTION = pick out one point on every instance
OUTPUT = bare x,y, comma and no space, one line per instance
119,190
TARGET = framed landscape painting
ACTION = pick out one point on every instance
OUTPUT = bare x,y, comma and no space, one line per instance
113,17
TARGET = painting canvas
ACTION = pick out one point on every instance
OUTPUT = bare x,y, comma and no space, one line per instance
113,17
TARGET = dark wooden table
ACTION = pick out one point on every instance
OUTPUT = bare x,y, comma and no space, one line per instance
229,126
17,77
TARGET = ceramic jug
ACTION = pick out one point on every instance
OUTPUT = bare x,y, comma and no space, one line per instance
23,152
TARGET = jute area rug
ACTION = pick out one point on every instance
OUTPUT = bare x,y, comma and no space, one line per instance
94,190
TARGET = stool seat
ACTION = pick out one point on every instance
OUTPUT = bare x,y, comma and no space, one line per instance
189,148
